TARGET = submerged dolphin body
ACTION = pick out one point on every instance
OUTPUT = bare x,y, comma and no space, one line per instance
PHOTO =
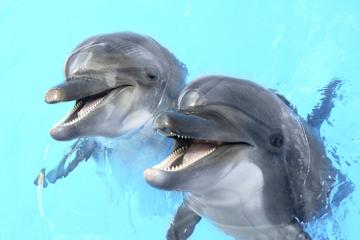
119,82
245,160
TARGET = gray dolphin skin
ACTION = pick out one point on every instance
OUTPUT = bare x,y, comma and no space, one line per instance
119,82
245,160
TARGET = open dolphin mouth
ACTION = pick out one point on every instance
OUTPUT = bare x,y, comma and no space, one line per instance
191,153
187,153
82,109
85,107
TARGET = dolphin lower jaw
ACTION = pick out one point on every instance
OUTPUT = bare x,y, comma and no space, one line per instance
194,145
82,110
188,153
177,160
79,111
184,144
190,157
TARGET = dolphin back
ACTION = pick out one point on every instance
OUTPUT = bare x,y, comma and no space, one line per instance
311,175
318,184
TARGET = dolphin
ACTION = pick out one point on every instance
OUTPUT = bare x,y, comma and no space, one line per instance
118,82
245,160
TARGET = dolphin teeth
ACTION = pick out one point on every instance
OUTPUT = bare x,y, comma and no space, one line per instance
75,108
81,114
181,166
165,165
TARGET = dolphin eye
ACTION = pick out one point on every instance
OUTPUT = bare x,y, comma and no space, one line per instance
152,76
151,73
276,140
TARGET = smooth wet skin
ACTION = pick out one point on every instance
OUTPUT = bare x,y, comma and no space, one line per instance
118,81
245,159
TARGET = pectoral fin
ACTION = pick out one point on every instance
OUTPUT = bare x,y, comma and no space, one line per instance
183,224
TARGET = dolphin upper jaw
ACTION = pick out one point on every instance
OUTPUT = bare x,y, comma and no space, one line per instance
197,126
76,88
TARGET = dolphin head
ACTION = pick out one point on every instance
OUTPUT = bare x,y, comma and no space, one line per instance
119,81
218,118
238,131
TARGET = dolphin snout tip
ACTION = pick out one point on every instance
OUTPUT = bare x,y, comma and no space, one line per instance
149,175
155,178
53,96
162,121
60,133
53,133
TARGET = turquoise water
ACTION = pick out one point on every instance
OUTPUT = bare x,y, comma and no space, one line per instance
296,47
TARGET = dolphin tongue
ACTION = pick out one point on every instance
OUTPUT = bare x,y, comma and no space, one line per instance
197,151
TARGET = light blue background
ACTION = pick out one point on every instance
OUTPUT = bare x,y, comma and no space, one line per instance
296,47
